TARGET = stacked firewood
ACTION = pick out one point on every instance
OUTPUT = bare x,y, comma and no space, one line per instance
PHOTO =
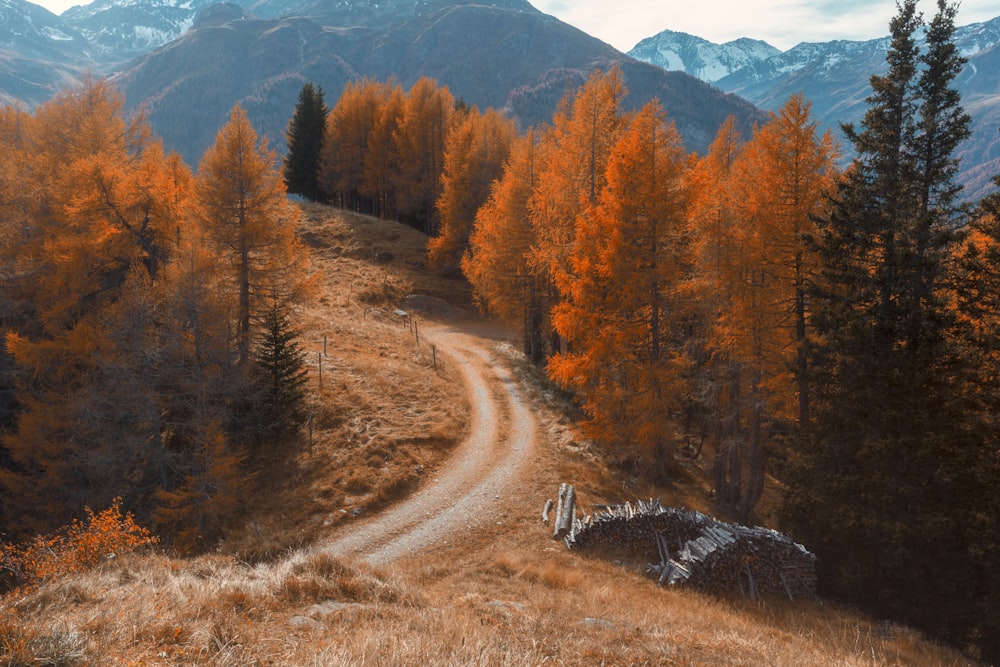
692,548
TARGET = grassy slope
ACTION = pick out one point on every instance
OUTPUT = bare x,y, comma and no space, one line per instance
383,420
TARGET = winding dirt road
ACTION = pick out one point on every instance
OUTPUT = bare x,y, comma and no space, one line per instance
467,490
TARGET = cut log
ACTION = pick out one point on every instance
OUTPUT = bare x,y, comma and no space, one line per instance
546,510
566,512
560,501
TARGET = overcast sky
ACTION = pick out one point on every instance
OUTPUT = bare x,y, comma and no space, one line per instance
783,23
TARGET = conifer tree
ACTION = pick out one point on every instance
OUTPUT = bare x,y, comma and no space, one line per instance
247,218
348,138
880,484
305,143
757,272
282,376
102,207
420,140
497,263
475,152
619,313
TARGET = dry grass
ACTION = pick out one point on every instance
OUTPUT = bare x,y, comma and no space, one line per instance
508,597
384,418
533,604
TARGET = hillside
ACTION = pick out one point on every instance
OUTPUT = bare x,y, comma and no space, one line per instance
501,55
387,418
40,53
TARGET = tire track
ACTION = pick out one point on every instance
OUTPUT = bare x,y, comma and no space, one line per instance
464,493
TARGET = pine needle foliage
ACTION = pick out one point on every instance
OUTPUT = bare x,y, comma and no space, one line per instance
305,143
282,375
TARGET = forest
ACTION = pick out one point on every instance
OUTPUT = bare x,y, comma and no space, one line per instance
828,331
832,329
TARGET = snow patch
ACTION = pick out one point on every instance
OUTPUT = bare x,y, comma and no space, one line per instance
56,34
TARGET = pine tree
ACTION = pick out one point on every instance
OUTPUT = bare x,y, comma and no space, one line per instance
282,375
305,144
882,483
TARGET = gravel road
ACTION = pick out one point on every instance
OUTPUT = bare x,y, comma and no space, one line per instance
478,480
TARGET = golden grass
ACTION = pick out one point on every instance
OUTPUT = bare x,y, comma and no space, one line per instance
533,604
510,596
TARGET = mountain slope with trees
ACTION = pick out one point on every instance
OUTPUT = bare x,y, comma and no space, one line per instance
512,57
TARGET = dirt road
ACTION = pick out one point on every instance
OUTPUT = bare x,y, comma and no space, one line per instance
471,488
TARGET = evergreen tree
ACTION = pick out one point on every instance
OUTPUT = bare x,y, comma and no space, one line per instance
282,374
305,143
882,482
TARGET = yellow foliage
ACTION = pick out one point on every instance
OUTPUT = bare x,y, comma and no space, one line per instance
77,547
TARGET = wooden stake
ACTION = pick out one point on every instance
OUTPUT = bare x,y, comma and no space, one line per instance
320,358
434,354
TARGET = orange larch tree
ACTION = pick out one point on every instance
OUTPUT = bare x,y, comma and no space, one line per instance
500,245
576,151
381,165
101,211
420,140
204,475
708,414
474,156
621,310
246,217
347,140
760,269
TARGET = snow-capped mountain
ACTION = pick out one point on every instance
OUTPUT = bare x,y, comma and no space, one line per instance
39,53
681,52
122,29
835,77
31,31
493,53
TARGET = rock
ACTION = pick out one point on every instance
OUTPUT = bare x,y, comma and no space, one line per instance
304,623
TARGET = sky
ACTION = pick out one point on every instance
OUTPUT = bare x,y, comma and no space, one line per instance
782,23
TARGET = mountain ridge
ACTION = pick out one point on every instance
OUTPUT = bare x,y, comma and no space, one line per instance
512,57
186,62
834,76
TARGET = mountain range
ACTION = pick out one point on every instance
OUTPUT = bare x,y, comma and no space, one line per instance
186,62
835,75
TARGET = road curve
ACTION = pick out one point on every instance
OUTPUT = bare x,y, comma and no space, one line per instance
466,491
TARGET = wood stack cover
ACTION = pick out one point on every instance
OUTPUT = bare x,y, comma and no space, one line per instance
693,548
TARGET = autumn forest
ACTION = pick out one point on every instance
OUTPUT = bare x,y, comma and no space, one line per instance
822,328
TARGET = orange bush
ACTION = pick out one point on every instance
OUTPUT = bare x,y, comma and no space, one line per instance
77,547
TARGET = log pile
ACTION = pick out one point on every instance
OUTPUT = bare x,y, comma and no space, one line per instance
692,548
